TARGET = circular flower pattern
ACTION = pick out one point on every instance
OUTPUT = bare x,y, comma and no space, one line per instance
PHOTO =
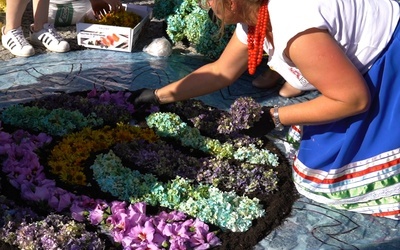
89,166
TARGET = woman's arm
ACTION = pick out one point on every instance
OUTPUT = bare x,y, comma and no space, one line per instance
323,63
210,77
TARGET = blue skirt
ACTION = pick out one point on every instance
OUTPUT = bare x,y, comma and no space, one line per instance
354,163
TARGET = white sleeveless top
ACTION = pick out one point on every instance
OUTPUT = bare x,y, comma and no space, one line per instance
363,28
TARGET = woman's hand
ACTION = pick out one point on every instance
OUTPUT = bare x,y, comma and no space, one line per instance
261,127
143,96
101,7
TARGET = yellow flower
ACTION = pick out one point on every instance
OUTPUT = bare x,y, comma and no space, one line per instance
79,178
67,158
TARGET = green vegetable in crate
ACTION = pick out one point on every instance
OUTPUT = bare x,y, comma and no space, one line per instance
120,18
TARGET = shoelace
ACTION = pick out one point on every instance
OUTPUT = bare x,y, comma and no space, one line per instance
54,33
19,35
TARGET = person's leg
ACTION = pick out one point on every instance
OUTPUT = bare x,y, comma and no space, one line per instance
288,90
40,14
43,33
14,11
268,79
12,37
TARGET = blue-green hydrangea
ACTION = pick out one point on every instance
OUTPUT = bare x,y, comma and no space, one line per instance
186,20
170,125
57,122
211,204
254,155
118,180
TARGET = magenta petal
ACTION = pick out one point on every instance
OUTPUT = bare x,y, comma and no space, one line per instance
121,222
139,207
125,241
65,202
92,93
5,138
77,211
42,193
213,240
178,244
200,224
159,239
42,139
149,230
117,207
169,230
4,148
204,246
160,224
96,216
26,191
105,97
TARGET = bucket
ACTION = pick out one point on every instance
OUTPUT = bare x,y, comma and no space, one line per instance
67,12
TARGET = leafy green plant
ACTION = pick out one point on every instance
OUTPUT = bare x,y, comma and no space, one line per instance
187,21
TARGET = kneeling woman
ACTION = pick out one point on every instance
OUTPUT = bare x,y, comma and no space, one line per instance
349,156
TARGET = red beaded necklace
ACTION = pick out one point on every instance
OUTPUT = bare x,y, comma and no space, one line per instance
255,38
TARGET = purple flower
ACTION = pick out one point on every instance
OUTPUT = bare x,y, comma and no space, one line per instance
119,225
139,207
178,244
125,241
41,139
144,246
105,97
171,230
5,138
178,230
199,224
117,207
137,213
20,136
92,93
118,98
19,175
160,223
242,114
118,213
159,239
37,191
77,212
61,199
202,239
96,215
21,157
49,241
141,233
173,216
81,204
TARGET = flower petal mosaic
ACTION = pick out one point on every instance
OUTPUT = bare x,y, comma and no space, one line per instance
88,170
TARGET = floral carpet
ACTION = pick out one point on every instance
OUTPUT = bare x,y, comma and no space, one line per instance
309,226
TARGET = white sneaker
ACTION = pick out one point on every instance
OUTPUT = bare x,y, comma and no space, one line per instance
49,37
16,43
